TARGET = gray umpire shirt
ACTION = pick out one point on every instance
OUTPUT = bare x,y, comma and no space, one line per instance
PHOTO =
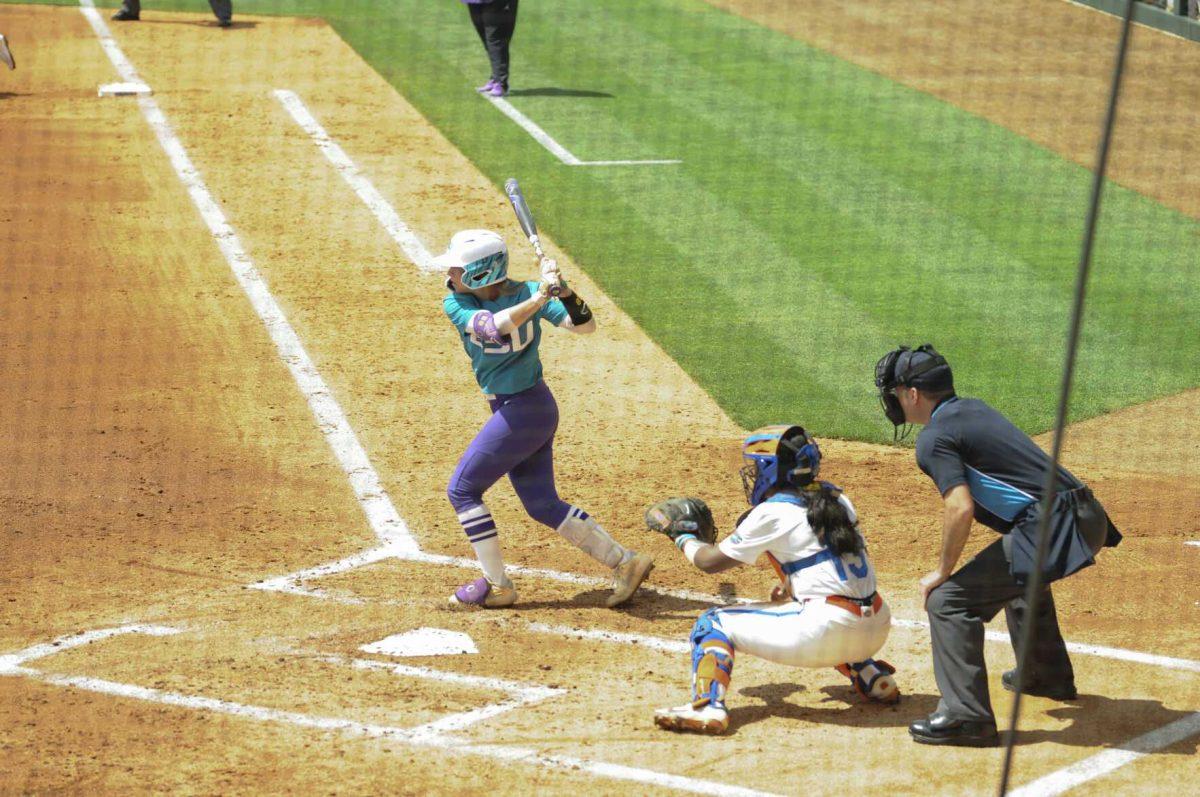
968,442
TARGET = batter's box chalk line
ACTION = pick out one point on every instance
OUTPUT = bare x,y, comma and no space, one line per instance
437,734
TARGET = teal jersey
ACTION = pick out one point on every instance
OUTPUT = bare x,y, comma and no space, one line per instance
512,365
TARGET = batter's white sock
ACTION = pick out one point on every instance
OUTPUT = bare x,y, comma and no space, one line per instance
491,561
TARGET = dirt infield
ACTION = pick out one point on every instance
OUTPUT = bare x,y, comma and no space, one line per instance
1042,70
161,460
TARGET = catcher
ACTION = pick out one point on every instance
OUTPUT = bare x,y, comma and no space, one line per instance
825,611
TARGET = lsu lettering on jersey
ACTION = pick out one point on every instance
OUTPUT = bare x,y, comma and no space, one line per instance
512,365
778,527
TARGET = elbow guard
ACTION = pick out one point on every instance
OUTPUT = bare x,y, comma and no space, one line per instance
483,326
577,310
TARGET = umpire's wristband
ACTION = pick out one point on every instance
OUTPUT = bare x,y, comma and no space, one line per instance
577,309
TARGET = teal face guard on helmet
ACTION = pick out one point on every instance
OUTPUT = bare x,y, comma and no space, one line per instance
486,270
482,256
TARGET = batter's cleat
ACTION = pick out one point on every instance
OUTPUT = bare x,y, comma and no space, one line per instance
879,687
1054,692
125,15
699,717
486,88
224,23
628,577
482,594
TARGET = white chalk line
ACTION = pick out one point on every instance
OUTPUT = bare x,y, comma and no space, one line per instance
558,150
616,637
14,660
435,734
1105,762
1195,543
368,489
289,584
383,210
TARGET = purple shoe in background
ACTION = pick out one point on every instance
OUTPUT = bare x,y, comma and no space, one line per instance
487,87
497,90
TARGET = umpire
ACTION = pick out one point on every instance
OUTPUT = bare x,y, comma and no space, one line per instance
987,469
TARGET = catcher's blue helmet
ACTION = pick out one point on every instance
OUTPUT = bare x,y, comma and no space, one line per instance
778,456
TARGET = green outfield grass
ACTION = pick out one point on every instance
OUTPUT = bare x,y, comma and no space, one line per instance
822,214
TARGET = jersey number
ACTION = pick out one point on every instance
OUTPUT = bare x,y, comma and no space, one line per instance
859,570
521,337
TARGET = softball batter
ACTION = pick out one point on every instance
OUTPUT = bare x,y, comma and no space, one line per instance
825,611
499,321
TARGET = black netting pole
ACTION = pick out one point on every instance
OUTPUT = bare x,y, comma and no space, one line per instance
1034,589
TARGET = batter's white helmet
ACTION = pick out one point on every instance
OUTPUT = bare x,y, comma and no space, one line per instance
482,256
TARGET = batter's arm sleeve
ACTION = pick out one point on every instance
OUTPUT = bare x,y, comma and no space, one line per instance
554,312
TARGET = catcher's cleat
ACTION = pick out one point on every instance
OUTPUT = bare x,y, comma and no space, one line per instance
703,716
879,686
628,577
482,594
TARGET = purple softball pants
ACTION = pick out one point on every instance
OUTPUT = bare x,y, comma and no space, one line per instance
517,440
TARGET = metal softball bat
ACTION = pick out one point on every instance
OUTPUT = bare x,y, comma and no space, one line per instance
525,217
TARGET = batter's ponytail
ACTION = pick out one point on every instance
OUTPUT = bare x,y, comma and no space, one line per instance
831,522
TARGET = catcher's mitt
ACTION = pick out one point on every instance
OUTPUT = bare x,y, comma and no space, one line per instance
676,517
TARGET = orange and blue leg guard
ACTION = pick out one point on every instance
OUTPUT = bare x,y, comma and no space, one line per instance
712,660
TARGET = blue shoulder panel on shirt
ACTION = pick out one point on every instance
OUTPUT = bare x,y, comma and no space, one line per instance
1000,498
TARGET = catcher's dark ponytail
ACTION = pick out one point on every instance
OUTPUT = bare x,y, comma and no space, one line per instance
831,522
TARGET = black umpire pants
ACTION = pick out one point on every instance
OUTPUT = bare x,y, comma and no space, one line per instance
495,23
223,9
959,608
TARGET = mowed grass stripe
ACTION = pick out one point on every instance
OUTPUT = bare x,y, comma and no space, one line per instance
989,286
822,214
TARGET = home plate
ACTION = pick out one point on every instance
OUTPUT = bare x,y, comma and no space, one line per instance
1193,542
424,642
123,89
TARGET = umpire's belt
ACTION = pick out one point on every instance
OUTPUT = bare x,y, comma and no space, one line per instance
861,607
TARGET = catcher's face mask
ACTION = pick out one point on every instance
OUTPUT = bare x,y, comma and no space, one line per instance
896,370
777,456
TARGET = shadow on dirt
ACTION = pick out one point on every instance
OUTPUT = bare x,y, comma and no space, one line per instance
1098,721
840,706
551,91
203,23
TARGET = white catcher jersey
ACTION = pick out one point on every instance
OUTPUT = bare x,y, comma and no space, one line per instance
778,527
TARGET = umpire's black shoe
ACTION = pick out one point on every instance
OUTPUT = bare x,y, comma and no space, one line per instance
125,15
939,729
1054,692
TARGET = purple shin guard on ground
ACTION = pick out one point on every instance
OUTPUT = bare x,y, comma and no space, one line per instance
517,440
